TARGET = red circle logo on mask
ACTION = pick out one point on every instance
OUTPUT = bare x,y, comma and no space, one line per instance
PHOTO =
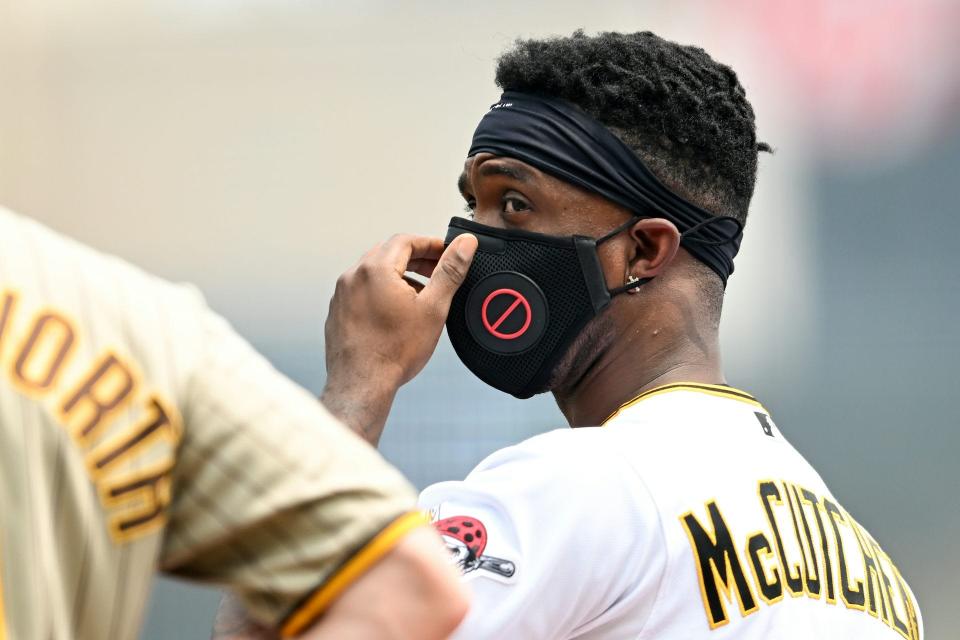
517,303
506,313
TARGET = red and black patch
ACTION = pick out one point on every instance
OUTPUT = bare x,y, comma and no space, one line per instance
466,538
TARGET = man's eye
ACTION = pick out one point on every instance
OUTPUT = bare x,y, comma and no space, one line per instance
515,205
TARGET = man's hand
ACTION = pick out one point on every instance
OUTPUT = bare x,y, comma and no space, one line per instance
382,330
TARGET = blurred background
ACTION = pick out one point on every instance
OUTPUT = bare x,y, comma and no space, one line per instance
188,135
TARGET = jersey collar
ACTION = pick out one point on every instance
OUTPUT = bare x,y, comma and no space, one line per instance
722,391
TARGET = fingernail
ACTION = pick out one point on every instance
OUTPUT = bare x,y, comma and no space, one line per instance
462,251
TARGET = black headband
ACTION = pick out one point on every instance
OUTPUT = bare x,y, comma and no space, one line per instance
558,138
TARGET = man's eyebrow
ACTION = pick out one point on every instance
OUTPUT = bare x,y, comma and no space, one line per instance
517,173
497,169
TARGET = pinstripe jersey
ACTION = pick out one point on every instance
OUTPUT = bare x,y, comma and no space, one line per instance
138,432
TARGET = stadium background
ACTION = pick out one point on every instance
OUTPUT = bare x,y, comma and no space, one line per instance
258,147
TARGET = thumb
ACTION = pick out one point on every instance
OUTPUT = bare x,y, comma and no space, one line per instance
450,272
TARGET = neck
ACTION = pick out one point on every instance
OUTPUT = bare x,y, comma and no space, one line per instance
630,366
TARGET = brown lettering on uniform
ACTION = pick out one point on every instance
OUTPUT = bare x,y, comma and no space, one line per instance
105,389
44,352
147,492
157,423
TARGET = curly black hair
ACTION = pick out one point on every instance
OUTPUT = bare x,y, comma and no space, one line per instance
683,113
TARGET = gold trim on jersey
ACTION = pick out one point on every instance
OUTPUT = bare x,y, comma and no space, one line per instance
718,390
355,567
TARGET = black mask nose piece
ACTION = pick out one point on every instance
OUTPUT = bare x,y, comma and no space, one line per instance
526,297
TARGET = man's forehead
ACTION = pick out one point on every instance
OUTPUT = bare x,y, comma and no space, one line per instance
497,166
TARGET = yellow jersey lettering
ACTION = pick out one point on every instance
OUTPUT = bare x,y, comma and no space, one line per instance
870,571
718,567
883,580
796,533
853,597
814,501
898,623
913,632
758,551
769,496
888,612
812,581
721,572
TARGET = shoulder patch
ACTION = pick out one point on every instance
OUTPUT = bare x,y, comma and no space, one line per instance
466,539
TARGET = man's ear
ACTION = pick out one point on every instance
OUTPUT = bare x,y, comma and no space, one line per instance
656,241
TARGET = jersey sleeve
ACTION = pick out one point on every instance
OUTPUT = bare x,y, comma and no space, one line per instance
554,537
272,497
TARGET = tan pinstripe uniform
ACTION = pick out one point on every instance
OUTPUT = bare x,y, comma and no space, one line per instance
139,433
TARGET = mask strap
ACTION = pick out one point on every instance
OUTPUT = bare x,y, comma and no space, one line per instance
687,235
630,285
705,224
626,225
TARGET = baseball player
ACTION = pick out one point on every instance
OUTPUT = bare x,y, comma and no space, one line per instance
138,431
607,191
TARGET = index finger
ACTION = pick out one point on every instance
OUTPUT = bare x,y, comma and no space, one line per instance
400,250
422,266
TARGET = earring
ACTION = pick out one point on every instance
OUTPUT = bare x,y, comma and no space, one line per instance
630,280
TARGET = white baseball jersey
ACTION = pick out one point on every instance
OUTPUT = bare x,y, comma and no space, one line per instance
138,431
686,515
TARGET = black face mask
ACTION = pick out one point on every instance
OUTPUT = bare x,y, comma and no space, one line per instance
525,299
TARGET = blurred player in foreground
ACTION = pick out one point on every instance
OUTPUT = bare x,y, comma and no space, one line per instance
608,189
138,432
